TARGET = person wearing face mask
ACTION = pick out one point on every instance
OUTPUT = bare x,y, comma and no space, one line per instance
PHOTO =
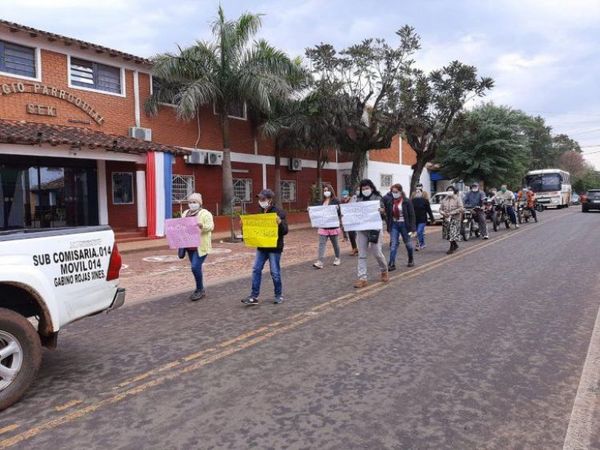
400,221
325,234
422,207
273,255
507,198
451,209
369,193
351,235
198,255
474,200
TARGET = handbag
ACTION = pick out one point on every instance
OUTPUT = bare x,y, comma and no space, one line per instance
373,236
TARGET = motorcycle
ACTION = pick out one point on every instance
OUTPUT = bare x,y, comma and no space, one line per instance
524,213
489,209
502,216
470,224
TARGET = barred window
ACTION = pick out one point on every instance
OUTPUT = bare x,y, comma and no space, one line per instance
122,188
93,75
288,191
183,187
386,180
17,59
242,189
236,110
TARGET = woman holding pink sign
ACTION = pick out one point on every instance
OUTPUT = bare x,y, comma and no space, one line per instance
198,255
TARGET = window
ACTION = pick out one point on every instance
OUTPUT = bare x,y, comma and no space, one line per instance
236,110
122,188
17,59
183,186
93,75
386,180
242,189
288,191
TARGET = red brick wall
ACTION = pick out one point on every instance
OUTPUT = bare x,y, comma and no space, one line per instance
121,217
409,157
389,155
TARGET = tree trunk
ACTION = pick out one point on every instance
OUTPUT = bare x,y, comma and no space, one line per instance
227,195
359,162
320,174
416,175
278,174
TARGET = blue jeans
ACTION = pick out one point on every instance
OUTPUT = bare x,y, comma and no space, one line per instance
259,262
399,229
196,260
421,233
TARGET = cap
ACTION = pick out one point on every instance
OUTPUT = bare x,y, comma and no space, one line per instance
345,192
266,193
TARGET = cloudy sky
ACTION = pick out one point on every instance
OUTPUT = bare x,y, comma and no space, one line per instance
543,54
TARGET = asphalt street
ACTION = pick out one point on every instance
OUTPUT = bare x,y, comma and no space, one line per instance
481,349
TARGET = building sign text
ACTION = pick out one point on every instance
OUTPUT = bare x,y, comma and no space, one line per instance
41,110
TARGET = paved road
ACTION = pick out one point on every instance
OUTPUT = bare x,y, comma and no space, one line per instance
483,349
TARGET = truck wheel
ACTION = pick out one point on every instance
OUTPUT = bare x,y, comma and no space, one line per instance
20,356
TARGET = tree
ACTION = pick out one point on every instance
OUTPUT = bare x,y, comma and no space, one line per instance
227,72
362,84
543,154
562,143
486,144
589,179
429,103
573,162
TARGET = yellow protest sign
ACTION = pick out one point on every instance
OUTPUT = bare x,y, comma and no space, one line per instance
260,230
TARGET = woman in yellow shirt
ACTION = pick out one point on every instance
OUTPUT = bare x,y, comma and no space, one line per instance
198,255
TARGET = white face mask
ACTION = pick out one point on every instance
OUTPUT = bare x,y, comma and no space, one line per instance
264,204
194,206
474,189
450,193
418,194
396,194
366,192
327,194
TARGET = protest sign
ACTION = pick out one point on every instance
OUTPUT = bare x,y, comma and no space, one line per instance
260,230
183,232
324,216
360,216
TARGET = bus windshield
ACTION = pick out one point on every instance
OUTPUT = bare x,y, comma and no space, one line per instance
544,183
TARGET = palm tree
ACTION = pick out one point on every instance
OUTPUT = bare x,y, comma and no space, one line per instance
227,72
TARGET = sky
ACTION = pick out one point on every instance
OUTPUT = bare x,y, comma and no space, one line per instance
542,54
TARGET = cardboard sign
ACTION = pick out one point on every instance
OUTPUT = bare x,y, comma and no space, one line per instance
324,216
183,232
260,230
361,216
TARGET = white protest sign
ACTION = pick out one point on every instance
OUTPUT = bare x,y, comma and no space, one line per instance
324,216
360,216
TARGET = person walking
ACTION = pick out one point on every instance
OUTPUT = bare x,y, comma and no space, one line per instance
198,255
329,233
451,209
422,207
273,255
346,198
400,221
370,239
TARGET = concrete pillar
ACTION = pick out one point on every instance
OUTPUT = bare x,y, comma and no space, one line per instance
102,192
140,181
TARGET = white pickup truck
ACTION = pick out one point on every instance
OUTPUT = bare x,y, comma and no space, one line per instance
49,279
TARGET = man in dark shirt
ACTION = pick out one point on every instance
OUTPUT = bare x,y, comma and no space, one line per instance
474,199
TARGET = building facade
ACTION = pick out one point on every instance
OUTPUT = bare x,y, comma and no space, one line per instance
77,148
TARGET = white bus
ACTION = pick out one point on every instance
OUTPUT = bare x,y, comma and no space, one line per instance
551,186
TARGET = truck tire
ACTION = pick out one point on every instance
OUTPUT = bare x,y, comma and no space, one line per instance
20,356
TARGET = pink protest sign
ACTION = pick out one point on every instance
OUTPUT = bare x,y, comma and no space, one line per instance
182,233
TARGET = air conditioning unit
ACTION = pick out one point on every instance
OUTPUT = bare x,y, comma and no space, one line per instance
196,157
295,164
144,134
214,158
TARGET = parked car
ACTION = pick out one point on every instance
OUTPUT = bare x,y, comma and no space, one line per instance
436,201
48,279
590,200
575,200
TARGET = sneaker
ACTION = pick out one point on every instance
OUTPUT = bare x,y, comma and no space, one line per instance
337,262
197,295
486,237
391,267
517,226
360,284
250,301
423,247
385,276
278,300
410,264
318,265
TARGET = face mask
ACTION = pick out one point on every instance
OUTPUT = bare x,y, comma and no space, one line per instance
194,206
264,204
366,192
396,194
418,194
450,193
474,189
327,194
503,189
356,192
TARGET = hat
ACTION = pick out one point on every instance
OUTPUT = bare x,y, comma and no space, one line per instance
266,193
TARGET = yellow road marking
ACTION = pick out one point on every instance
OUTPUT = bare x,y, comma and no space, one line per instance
8,428
67,405
230,347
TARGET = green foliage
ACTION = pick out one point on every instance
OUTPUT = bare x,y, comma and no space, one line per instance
486,144
589,179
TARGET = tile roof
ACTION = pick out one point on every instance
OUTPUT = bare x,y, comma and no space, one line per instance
34,32
31,133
